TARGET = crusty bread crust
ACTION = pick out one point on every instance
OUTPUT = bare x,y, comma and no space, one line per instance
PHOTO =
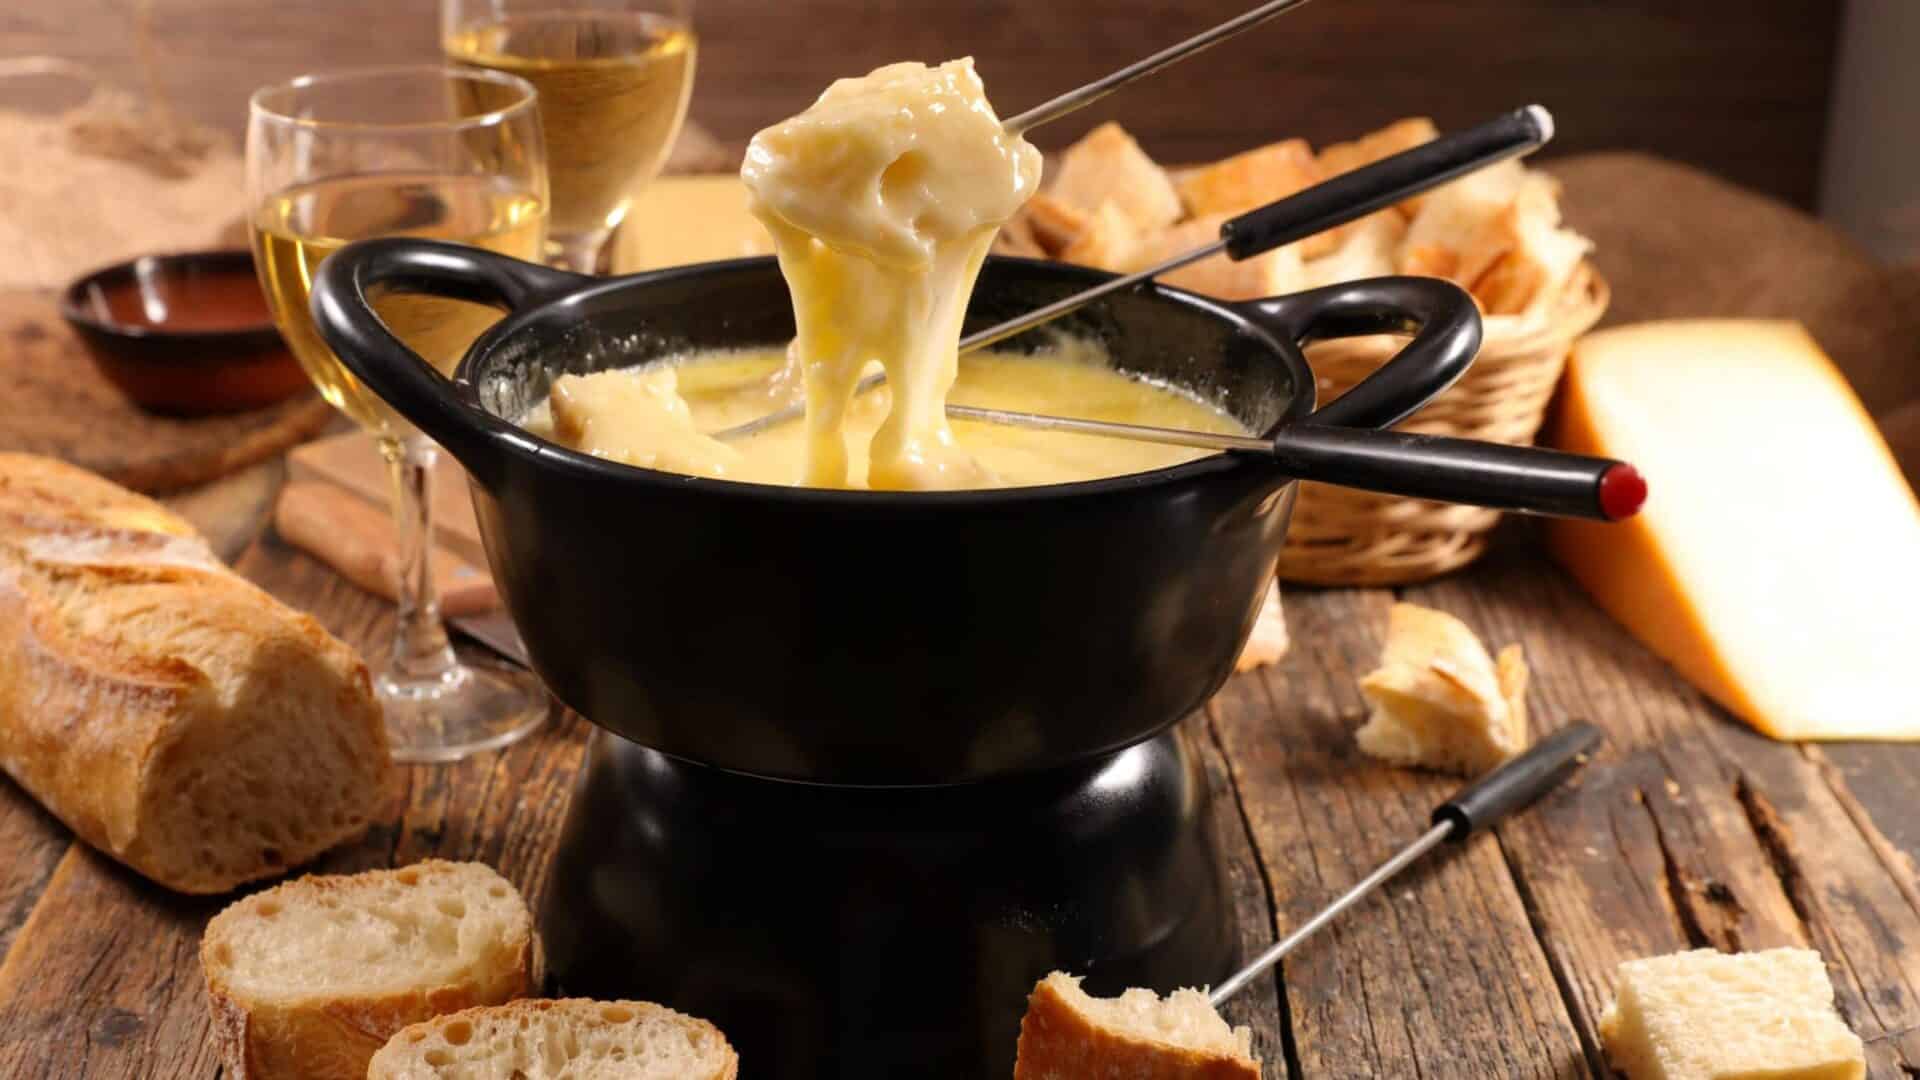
134,667
332,1037
400,1058
1059,1042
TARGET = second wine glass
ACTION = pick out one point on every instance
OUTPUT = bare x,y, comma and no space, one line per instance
614,77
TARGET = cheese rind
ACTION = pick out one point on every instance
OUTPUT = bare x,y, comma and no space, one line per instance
1704,1015
1776,563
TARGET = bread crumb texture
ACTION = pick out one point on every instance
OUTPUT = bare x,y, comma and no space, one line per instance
310,978
1068,1034
1439,701
1705,1015
571,1039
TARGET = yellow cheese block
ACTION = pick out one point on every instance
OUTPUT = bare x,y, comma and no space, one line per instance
688,219
1777,561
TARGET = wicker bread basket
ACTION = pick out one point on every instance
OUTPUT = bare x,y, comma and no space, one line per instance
1344,537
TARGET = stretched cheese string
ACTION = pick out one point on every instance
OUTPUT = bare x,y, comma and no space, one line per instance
883,198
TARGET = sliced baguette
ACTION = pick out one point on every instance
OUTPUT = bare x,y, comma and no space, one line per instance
169,712
571,1039
310,978
1439,701
1069,1035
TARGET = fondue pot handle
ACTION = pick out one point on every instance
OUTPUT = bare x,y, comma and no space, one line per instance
1439,314
407,383
1340,443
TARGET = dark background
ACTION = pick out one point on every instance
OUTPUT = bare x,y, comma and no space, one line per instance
1736,86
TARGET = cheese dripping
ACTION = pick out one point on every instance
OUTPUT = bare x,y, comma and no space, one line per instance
883,198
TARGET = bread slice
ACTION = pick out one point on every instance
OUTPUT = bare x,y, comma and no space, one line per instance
1704,1015
1108,240
169,712
310,978
570,1039
1539,257
1106,165
1458,232
1069,1035
1055,224
1367,248
1237,184
1439,701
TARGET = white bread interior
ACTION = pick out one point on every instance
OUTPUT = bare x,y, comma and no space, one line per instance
311,977
570,1039
1705,1015
1439,701
1068,1034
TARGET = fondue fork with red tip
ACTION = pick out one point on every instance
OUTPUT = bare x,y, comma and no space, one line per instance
1324,206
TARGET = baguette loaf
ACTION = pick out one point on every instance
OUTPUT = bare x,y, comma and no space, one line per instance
1070,1035
308,979
570,1039
170,713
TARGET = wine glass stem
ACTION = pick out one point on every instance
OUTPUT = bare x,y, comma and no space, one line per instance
421,652
579,253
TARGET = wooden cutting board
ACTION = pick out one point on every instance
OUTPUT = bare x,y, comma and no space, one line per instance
53,402
353,463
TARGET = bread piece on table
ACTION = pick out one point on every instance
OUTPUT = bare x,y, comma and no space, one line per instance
170,713
1399,136
1270,273
1108,165
308,979
1439,701
1540,256
1070,1035
1110,240
1704,1015
1268,642
570,1039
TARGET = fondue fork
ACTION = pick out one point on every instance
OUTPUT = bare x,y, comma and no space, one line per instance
1083,96
1344,198
1511,787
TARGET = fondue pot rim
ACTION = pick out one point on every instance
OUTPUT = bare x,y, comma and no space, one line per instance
587,289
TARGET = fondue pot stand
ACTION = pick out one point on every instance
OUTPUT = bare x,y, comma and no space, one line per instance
874,762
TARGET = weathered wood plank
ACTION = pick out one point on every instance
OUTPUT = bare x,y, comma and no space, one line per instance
1441,973
1691,801
1258,1006
32,842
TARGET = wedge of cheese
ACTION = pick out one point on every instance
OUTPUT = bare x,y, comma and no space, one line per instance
1777,561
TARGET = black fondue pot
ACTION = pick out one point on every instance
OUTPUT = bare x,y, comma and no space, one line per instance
877,638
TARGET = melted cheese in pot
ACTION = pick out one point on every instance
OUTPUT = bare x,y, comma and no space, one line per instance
599,414
883,198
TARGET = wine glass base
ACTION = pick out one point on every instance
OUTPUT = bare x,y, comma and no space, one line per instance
472,708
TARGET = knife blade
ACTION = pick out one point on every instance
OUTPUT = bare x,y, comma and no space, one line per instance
494,630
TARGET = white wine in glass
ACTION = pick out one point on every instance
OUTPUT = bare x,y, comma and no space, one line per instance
613,80
431,151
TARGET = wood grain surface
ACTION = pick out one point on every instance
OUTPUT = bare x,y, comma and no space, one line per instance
1736,87
1492,960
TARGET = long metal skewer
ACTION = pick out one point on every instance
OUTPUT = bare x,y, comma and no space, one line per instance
1140,69
1510,787
1324,206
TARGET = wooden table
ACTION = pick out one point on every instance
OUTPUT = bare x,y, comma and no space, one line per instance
1492,961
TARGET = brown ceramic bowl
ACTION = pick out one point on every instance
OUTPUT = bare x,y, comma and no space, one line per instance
188,334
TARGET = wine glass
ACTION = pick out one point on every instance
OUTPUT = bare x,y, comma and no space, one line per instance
450,153
614,77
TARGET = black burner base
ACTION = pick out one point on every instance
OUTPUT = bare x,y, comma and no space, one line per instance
851,933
